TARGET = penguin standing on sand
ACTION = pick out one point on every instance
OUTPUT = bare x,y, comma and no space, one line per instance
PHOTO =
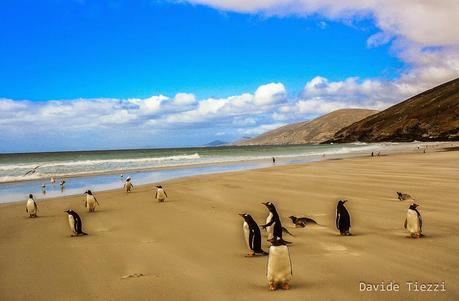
413,221
273,222
31,207
343,219
160,194
75,223
128,185
279,267
91,201
252,235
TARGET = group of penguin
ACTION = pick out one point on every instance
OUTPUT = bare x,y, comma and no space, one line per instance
279,267
74,220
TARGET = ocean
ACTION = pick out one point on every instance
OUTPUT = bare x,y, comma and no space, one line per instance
24,173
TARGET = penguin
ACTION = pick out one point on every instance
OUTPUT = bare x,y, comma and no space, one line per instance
403,196
301,221
91,201
128,185
252,235
274,223
279,267
413,221
31,207
75,223
343,219
160,194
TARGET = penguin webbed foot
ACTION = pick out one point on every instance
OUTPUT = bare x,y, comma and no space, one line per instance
285,286
272,286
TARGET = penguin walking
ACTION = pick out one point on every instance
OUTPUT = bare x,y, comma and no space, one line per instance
128,184
274,223
279,267
91,201
413,221
343,219
75,223
252,235
301,221
160,194
31,206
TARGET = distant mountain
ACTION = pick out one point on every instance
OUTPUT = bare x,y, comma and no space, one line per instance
314,131
216,143
430,116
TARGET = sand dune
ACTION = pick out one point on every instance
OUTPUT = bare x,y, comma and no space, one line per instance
191,247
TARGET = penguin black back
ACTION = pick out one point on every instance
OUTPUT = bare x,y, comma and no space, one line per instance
343,219
78,224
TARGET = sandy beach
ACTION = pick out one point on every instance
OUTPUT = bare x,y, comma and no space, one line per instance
191,247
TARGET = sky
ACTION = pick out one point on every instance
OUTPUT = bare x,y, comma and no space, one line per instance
110,74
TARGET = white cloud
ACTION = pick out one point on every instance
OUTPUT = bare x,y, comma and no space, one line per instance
270,94
183,99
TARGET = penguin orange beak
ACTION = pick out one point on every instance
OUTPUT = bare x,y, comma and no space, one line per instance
241,214
264,203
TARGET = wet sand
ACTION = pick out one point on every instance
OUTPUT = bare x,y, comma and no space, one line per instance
192,248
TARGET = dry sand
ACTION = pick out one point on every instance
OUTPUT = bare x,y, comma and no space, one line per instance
191,247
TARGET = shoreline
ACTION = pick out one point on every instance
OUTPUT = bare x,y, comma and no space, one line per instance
383,146
16,191
437,147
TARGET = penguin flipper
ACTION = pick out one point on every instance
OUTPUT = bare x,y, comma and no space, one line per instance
406,221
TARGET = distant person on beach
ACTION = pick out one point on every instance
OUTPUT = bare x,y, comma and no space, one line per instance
52,180
372,154
274,160
62,184
128,185
160,194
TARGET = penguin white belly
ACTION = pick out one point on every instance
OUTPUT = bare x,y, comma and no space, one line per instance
412,222
161,195
31,207
128,186
269,229
279,266
246,230
90,202
72,224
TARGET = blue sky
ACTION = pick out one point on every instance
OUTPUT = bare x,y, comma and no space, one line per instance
114,58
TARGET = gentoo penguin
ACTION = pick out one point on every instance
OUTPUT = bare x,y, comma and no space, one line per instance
160,194
75,223
343,219
273,223
403,196
31,207
43,188
252,235
413,221
91,201
279,267
128,185
301,221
